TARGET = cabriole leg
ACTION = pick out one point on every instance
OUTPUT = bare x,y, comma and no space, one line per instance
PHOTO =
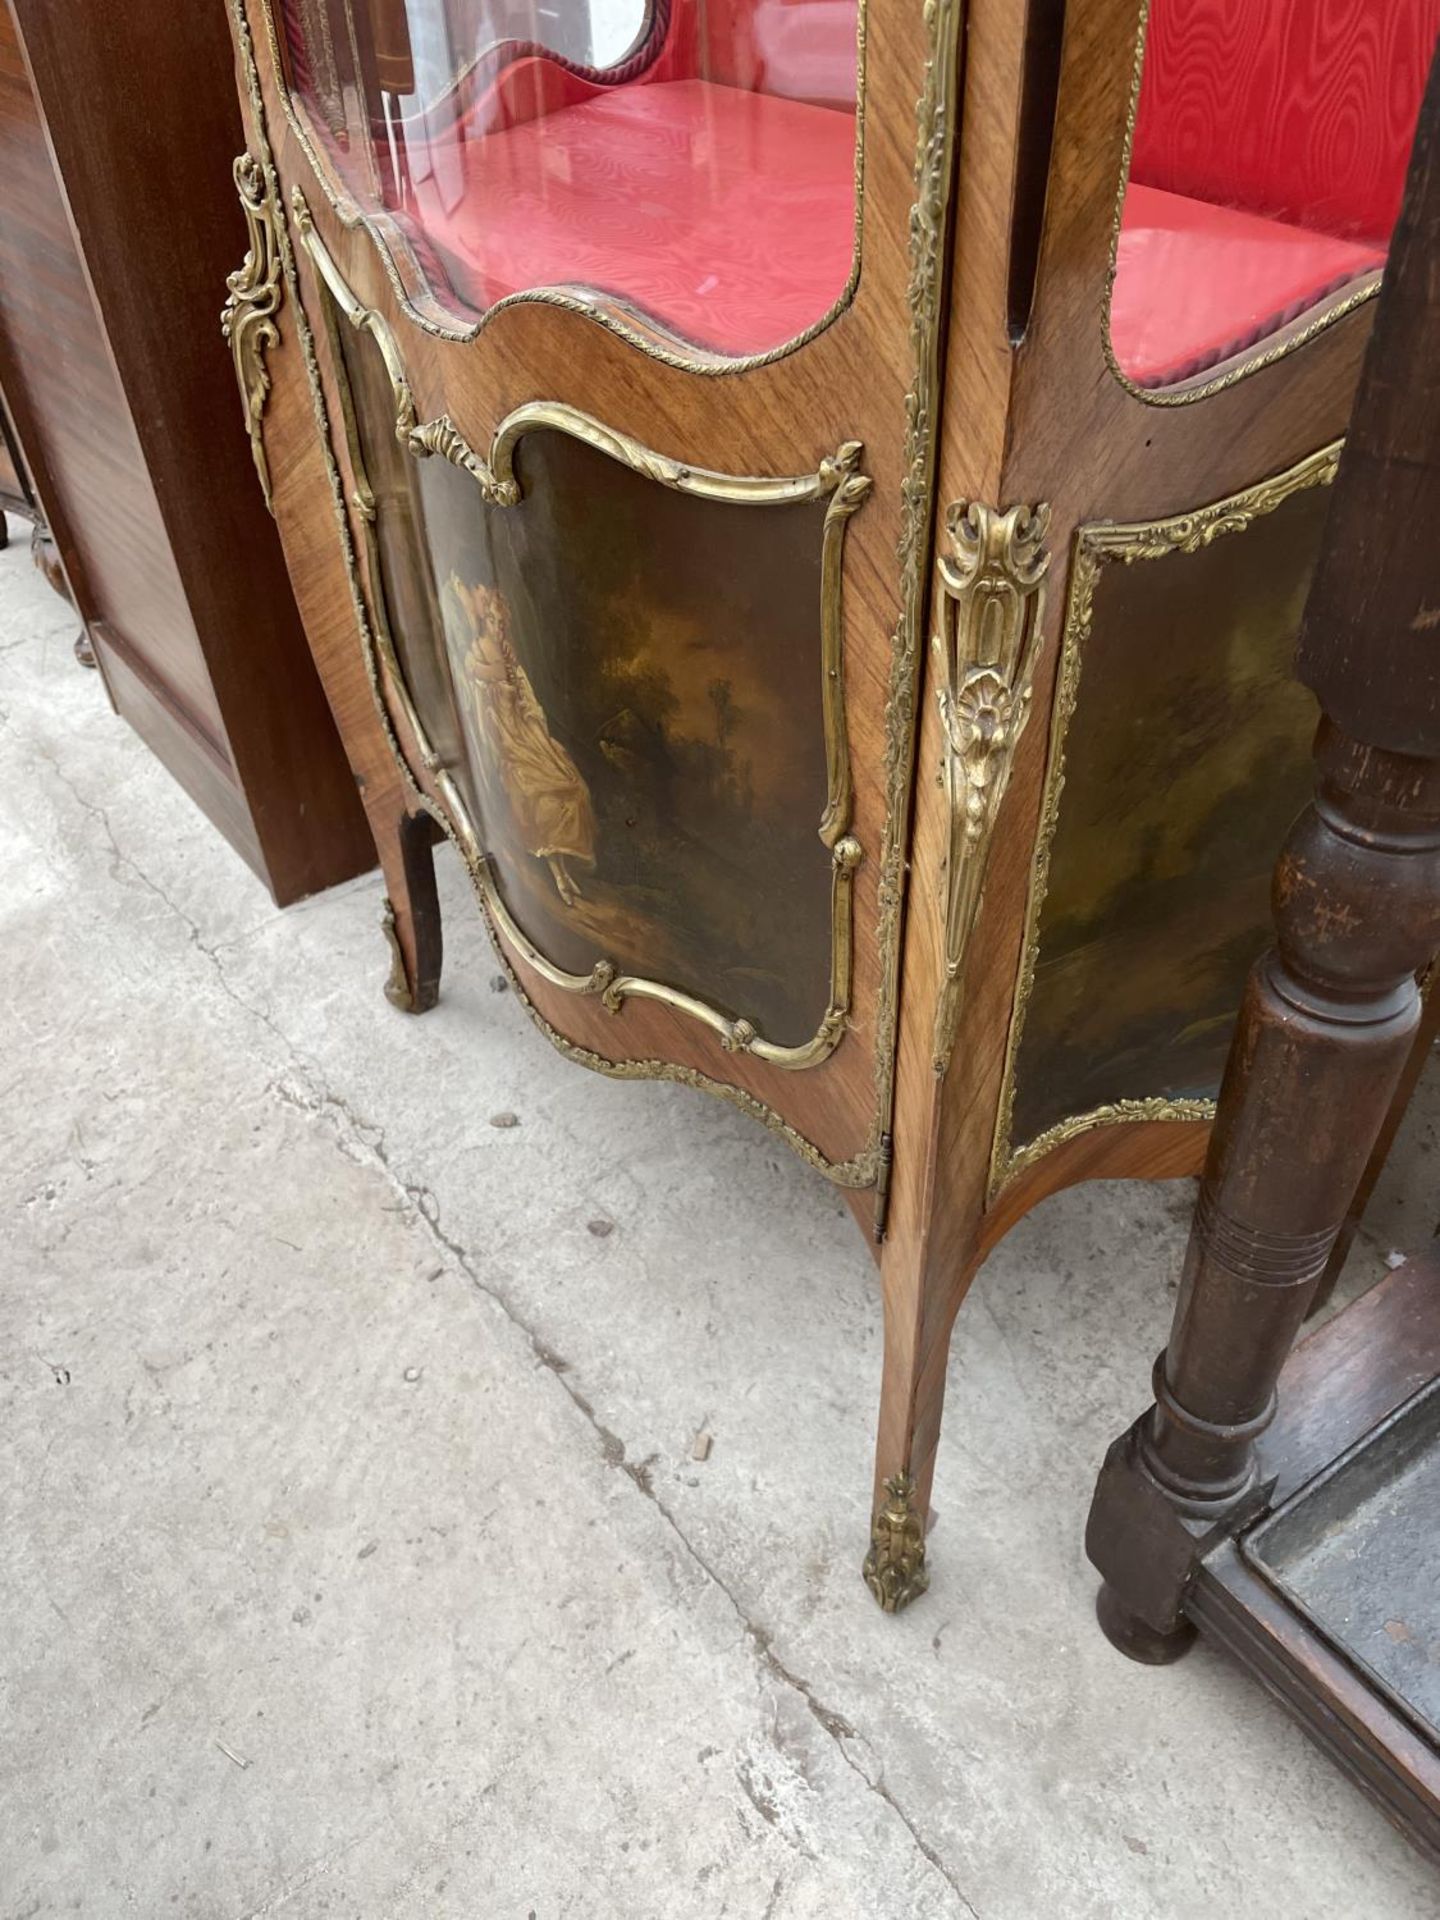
919,1315
411,920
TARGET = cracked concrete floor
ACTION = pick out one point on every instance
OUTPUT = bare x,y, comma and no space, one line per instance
355,1562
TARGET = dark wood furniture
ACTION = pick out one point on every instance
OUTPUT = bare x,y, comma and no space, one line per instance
16,493
1306,1541
117,131
696,470
17,496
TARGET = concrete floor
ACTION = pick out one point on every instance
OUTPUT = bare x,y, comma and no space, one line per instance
355,1562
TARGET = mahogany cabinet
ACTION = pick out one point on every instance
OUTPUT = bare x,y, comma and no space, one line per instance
117,130
813,500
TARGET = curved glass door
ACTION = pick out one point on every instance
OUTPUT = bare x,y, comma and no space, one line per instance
691,161
1269,154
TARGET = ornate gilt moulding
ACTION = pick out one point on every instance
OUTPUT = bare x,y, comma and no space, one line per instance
990,601
936,123
1096,548
247,320
837,481
419,303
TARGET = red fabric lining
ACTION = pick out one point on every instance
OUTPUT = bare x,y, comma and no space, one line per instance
1195,284
1301,110
718,212
727,215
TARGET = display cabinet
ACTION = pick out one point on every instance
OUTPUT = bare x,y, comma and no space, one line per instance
813,499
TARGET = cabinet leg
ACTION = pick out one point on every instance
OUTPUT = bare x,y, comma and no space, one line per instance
895,1570
919,1314
411,921
1136,1638
45,556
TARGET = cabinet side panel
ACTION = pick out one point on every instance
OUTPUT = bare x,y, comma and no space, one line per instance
101,500
153,207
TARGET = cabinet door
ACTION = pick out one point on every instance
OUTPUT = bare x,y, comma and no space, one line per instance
629,375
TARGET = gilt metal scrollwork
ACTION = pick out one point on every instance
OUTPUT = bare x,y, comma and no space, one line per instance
991,574
247,320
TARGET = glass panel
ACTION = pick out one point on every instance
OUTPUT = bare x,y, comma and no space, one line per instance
690,160
625,682
1269,155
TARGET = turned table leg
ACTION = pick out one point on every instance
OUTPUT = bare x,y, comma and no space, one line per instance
1421,1052
1324,1034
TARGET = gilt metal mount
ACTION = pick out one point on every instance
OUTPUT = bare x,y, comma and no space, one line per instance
895,1570
247,319
987,638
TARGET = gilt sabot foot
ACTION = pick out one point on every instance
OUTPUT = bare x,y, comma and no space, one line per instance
895,1570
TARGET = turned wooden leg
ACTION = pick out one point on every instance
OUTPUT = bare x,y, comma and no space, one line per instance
1325,1031
411,920
1136,1638
45,557
1421,1050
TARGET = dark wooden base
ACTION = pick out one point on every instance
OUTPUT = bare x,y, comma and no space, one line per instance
46,557
1134,1637
1348,1719
1342,1383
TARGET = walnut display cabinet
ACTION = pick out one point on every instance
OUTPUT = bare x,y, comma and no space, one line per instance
813,499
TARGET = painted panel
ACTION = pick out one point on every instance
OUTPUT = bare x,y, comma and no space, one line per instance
625,681
1185,759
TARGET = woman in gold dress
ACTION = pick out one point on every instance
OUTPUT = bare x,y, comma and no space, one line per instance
543,788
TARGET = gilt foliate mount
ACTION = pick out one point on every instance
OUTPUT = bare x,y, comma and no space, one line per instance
990,575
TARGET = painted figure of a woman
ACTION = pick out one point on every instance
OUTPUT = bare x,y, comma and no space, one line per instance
543,788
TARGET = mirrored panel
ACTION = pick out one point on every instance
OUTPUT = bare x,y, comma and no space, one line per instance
1269,154
689,162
